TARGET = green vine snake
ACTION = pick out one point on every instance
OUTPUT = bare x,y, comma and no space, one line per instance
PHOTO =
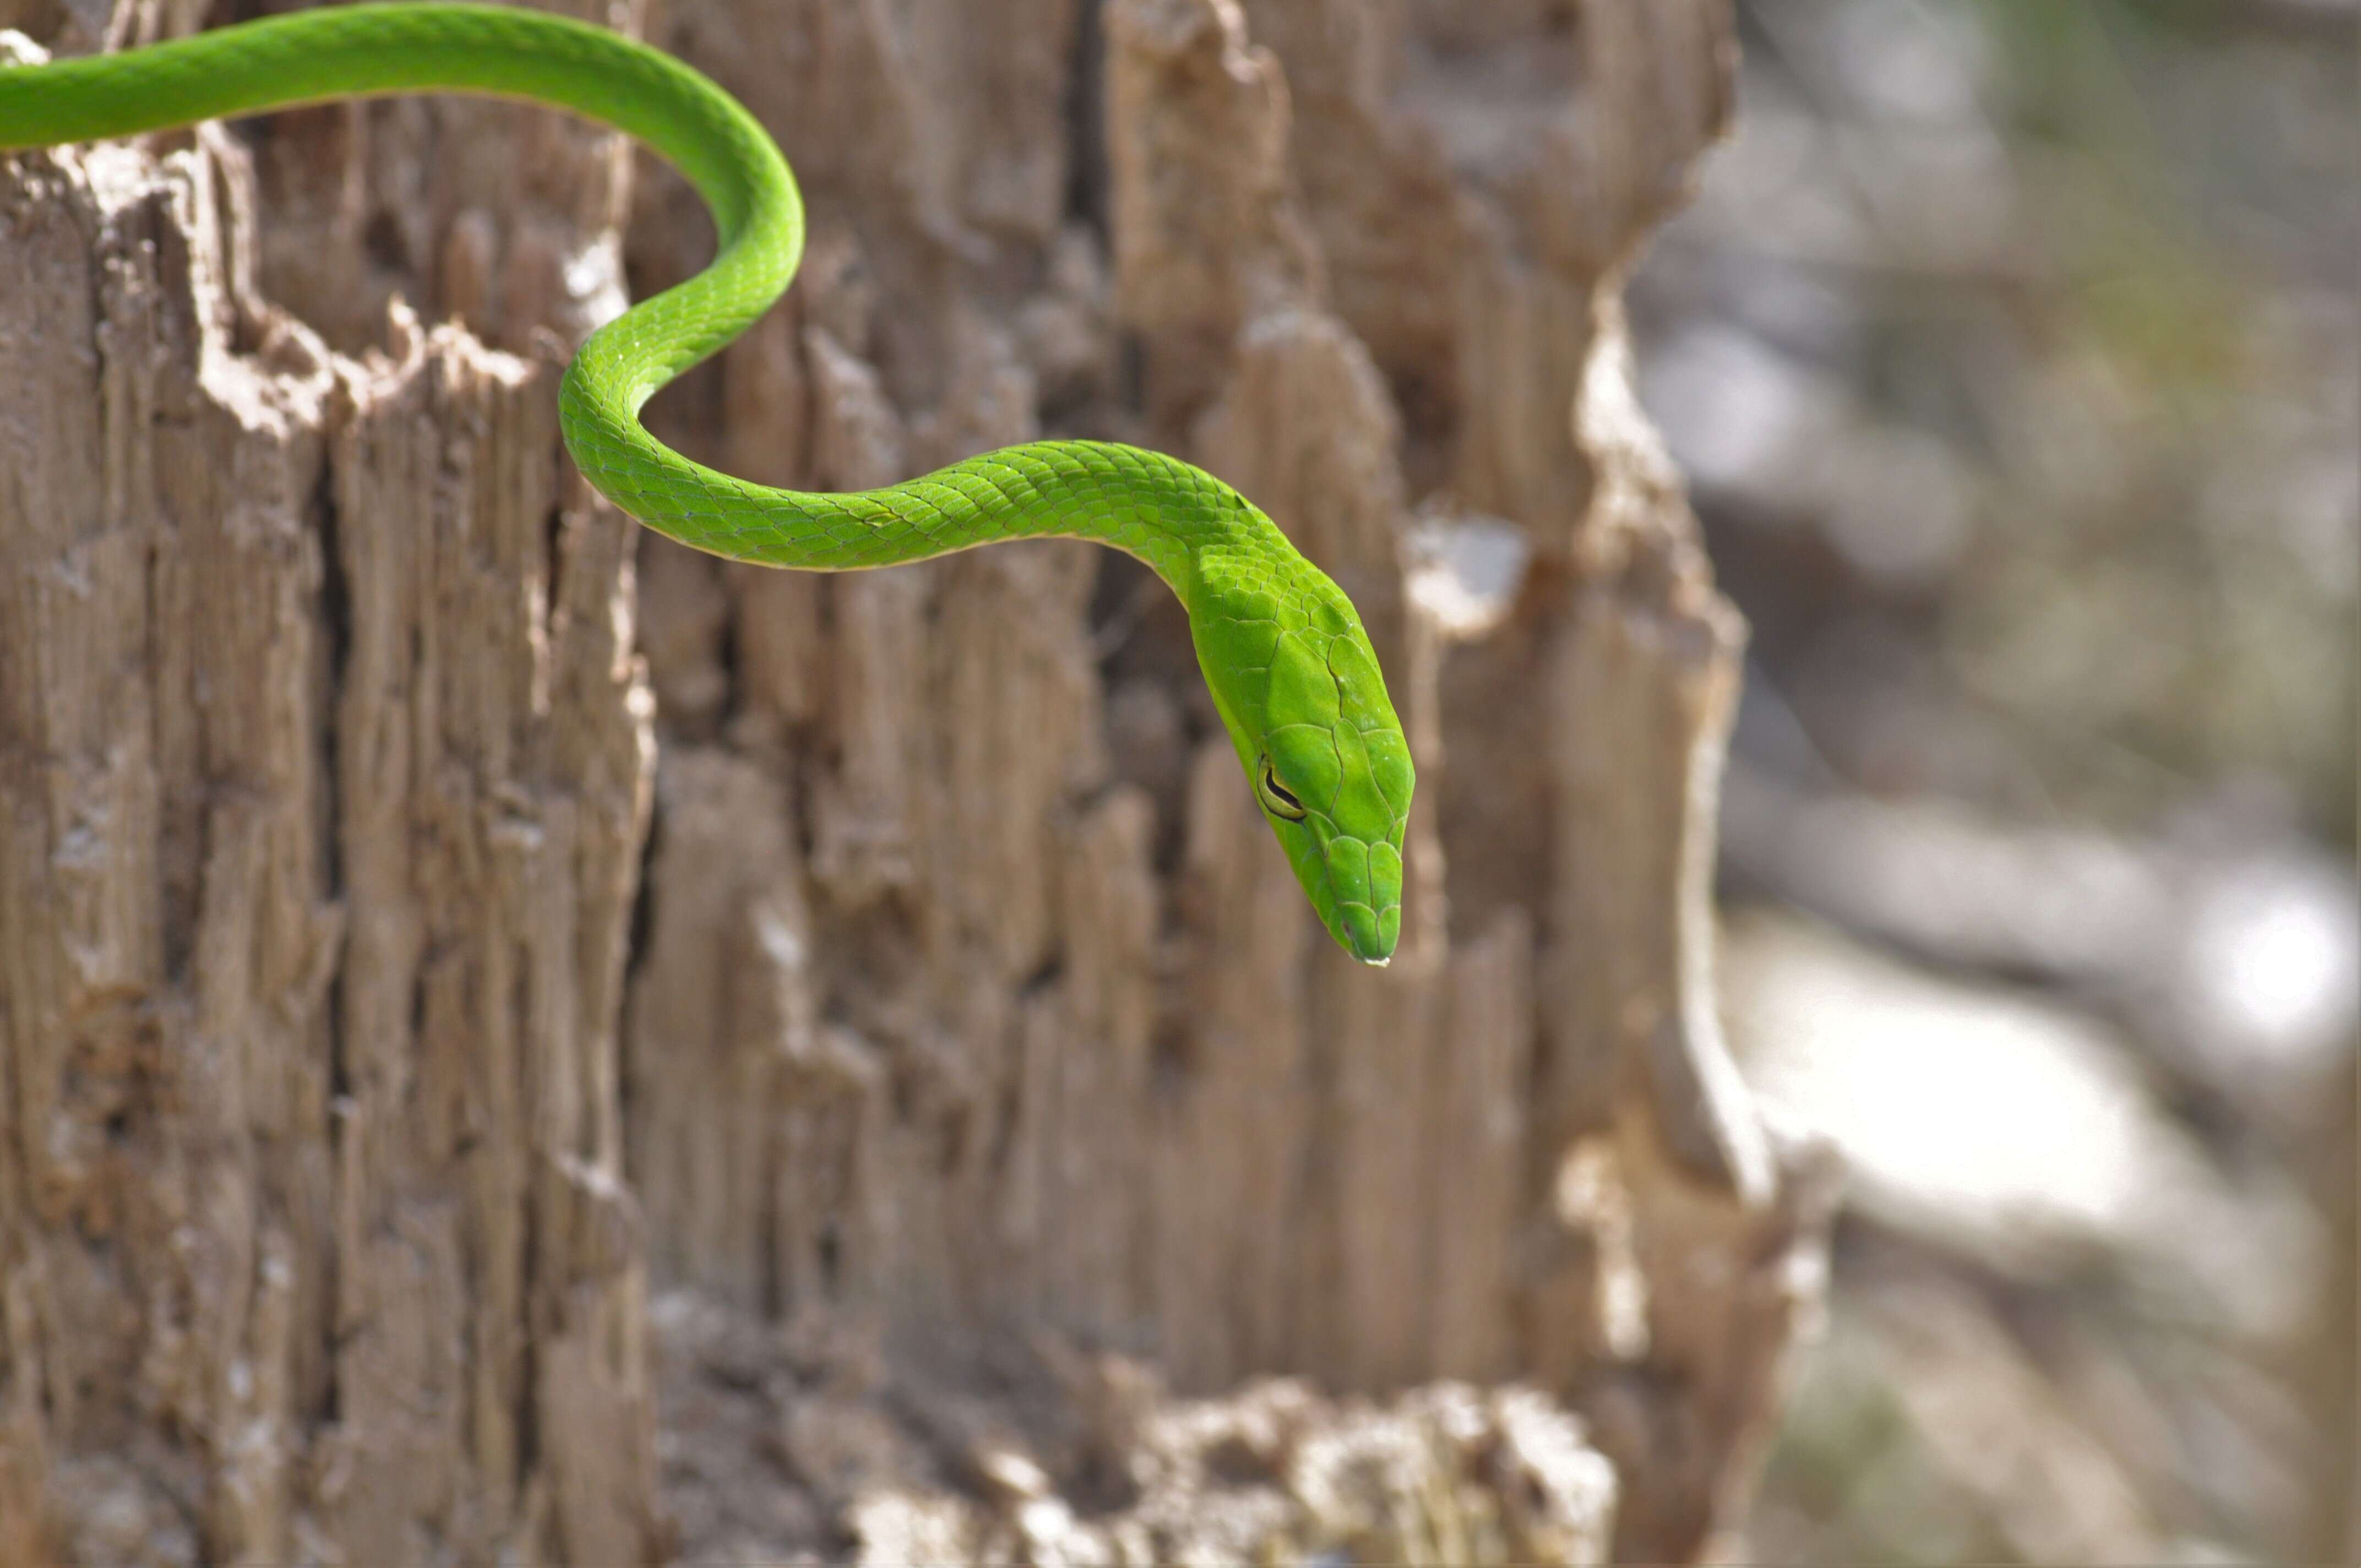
1286,658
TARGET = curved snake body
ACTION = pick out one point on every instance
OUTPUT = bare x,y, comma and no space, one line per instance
1283,652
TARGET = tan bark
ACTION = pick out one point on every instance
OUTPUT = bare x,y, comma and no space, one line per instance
970,1051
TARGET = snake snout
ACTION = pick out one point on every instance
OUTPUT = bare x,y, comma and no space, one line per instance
1366,938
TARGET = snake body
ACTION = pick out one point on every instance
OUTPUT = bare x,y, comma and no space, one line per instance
1283,652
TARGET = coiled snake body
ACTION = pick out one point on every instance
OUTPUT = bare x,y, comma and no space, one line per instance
1288,665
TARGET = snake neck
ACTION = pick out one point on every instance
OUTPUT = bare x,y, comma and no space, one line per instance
1171,515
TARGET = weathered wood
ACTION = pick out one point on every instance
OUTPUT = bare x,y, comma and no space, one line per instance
327,770
358,1082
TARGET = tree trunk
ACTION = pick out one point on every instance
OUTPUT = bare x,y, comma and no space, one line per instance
438,918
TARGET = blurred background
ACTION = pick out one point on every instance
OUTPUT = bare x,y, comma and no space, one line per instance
2011,352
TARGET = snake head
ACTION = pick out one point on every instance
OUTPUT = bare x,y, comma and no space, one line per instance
1297,685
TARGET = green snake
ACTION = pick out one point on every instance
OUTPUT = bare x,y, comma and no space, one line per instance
1283,652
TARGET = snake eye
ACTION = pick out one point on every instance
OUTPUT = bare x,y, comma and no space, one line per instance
1275,797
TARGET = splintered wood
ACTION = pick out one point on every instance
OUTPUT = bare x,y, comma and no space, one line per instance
435,913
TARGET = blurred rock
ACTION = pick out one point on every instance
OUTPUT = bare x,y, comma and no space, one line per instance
1925,1436
2240,960
2007,1130
2063,1329
1940,879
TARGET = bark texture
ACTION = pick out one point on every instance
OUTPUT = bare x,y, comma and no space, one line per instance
933,1024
